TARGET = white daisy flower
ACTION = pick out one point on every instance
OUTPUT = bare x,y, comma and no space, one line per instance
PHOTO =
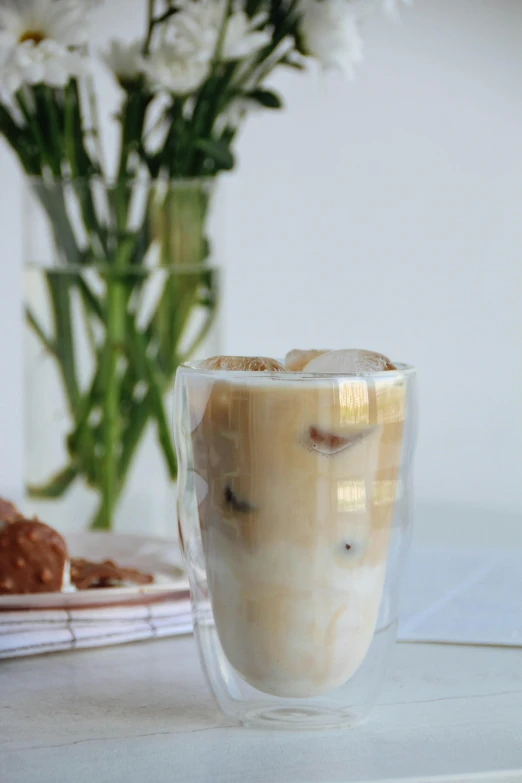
124,60
37,20
36,37
197,27
167,69
330,33
44,63
243,36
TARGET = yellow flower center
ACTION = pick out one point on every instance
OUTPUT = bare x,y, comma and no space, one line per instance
32,35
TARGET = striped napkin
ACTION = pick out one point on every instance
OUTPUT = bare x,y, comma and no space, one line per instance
50,630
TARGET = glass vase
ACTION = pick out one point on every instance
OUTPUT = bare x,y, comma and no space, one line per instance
120,288
295,516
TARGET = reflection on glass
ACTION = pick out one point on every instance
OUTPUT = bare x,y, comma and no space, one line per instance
386,491
353,402
391,400
351,495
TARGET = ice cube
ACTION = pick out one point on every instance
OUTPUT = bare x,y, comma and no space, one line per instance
349,361
296,360
243,363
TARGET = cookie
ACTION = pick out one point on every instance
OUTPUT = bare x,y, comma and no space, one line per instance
32,558
8,512
86,575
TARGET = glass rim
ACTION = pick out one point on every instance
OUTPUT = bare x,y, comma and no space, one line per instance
113,182
137,269
194,368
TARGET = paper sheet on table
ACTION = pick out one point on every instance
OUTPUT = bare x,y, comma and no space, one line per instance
462,597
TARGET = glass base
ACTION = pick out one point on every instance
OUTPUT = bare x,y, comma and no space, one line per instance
298,718
344,707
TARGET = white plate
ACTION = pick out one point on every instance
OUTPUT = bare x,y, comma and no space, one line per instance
158,556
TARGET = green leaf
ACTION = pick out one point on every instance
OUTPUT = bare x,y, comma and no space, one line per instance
91,302
39,332
267,98
297,66
56,487
218,151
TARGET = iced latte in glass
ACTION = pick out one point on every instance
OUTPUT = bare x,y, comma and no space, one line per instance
296,473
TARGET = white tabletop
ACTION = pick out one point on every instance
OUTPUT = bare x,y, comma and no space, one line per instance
142,712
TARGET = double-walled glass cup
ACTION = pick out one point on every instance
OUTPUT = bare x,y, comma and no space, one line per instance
294,514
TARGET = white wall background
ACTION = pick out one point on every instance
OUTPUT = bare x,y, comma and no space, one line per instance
385,214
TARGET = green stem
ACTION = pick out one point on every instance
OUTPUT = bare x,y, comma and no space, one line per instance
94,122
130,442
115,340
164,16
47,114
222,33
89,327
133,118
52,201
61,286
82,170
131,438
59,290
32,122
82,440
146,369
20,140
150,26
177,311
